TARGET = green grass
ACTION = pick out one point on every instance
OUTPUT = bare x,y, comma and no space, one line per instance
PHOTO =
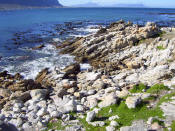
55,125
156,89
126,115
151,98
89,127
159,122
138,88
160,48
166,98
173,126
161,33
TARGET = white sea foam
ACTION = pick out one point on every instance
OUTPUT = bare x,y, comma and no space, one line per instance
30,69
90,29
85,66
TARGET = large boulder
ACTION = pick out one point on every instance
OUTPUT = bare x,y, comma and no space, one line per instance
133,101
39,94
108,100
72,69
24,85
90,116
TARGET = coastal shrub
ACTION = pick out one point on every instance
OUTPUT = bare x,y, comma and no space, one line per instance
157,88
160,48
138,88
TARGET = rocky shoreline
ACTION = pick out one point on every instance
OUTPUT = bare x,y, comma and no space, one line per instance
130,86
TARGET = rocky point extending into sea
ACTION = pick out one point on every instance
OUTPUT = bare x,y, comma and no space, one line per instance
130,85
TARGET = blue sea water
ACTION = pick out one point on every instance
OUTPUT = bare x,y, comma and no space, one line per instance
28,24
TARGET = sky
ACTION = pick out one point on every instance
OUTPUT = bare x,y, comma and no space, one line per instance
149,3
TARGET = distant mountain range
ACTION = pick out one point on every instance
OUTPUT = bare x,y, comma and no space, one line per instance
130,5
29,3
115,5
90,4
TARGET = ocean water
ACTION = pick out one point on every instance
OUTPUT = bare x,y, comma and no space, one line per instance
21,30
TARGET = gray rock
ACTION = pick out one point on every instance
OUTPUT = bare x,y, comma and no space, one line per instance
55,114
38,94
136,126
110,99
98,84
92,76
74,128
2,117
110,128
66,117
80,108
122,93
133,101
113,117
97,123
91,92
114,123
68,107
17,122
90,116
41,112
91,103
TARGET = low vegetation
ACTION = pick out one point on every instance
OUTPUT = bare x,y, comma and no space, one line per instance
126,115
160,48
138,88
155,89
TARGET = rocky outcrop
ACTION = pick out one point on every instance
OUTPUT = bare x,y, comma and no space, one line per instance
72,97
98,49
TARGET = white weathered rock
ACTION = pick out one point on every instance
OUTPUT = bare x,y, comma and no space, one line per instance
26,126
110,128
55,114
91,92
91,103
68,107
122,93
96,110
98,84
16,109
80,108
110,90
113,117
133,101
38,94
133,78
114,123
136,126
108,100
90,116
91,76
2,117
41,112
97,123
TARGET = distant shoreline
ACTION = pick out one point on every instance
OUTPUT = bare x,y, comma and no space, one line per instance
18,7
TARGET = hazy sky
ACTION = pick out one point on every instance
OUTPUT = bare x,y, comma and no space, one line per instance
150,3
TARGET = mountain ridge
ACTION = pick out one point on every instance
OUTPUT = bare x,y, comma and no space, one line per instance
8,4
